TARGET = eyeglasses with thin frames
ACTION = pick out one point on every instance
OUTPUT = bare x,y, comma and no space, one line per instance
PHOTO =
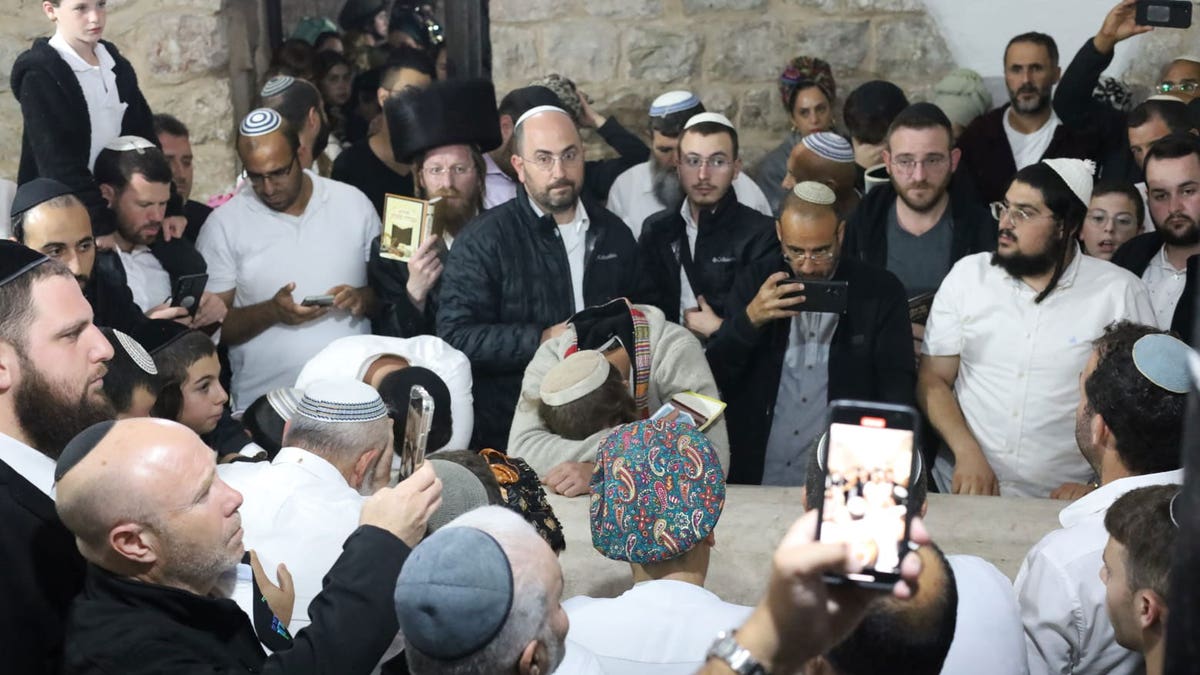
545,161
822,256
934,163
456,170
1015,215
715,162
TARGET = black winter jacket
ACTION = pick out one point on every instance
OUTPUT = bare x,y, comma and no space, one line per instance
1135,255
731,236
870,358
57,136
108,292
506,280
1075,106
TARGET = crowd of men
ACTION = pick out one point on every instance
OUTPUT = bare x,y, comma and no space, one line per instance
204,407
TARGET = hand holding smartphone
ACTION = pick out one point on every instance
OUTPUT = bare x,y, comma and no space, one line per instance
317,301
416,430
187,292
1164,13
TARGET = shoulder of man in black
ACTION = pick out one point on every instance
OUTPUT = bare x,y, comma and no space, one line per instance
40,56
661,224
984,130
1135,255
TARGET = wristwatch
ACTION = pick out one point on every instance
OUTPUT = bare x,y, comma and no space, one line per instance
737,657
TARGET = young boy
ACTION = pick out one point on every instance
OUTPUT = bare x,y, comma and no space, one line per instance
131,382
191,391
583,394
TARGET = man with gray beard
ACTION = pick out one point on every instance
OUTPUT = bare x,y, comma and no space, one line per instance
653,185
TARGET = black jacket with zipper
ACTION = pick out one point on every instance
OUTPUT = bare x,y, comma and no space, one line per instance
506,280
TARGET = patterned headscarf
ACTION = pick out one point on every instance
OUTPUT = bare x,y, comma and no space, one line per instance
657,491
807,70
1113,93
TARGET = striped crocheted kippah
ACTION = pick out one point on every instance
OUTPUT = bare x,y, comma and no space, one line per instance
276,85
341,400
260,122
830,146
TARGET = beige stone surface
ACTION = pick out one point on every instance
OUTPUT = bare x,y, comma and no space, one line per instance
1000,530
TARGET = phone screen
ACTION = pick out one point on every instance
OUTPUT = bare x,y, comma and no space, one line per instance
416,430
868,472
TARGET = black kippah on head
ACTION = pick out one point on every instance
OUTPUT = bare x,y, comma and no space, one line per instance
17,259
79,447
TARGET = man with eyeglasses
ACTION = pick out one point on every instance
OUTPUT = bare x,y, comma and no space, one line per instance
521,269
921,223
778,366
286,235
1167,259
1008,334
1128,426
690,255
371,164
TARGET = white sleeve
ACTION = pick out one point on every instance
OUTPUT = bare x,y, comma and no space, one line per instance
944,328
462,401
214,246
372,227
751,195
1050,614
1138,307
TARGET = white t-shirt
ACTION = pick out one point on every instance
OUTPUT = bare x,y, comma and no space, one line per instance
1028,148
255,251
632,196
1018,375
987,633
574,239
99,85
146,278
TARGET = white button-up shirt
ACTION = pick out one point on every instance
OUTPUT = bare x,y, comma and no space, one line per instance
987,632
1067,629
147,280
661,627
33,466
298,510
99,85
352,357
1018,375
574,239
1165,283
632,196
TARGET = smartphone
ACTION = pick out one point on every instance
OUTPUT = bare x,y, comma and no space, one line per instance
187,291
317,301
869,463
416,430
1164,13
820,296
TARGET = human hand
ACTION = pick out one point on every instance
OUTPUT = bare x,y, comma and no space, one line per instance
169,313
1071,491
212,310
588,117
570,479
357,301
918,333
290,312
106,242
282,598
973,475
424,270
173,227
554,331
703,320
788,182
769,304
1120,24
404,510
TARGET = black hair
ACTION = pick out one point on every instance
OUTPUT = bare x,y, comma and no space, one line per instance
265,425
1146,420
1173,113
170,125
117,168
124,376
1141,520
324,37
671,125
293,103
1111,186
610,405
708,129
365,86
1173,146
294,57
520,101
401,58
327,61
904,637
61,201
1038,39
870,109
922,116
173,362
1064,205
16,302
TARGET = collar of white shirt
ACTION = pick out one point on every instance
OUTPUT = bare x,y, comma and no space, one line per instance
1098,500
1165,265
319,467
75,61
579,224
33,466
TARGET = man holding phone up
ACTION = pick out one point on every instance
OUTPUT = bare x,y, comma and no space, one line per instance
778,365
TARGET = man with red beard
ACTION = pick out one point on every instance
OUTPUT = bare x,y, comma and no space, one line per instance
443,132
52,365
921,223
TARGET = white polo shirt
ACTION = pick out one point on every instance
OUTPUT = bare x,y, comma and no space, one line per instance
255,251
146,278
353,356
99,85
632,196
987,631
1018,377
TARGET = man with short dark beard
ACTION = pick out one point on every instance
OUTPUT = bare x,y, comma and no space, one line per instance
1016,135
442,132
51,372
1008,335
1166,259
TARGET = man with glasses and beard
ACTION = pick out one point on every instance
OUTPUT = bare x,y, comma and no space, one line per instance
521,269
442,132
52,365
1009,333
1017,135
1166,259
286,235
778,365
653,185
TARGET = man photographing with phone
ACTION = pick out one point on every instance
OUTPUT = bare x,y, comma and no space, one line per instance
805,329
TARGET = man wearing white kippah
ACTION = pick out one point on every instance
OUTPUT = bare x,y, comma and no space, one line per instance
654,185
690,254
1009,333
825,157
286,235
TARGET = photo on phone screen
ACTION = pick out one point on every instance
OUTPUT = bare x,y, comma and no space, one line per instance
868,471
416,430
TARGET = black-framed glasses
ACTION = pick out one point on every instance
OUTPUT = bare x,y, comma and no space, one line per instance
273,177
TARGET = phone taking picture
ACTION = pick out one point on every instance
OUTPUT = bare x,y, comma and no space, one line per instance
317,301
820,295
416,430
868,467
187,292
1164,13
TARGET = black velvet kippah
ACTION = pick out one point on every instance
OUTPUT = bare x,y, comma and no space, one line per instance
79,447
17,259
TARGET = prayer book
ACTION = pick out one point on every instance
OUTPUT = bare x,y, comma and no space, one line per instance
407,222
695,409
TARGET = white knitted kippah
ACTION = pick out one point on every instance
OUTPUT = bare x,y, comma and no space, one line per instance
538,110
829,145
276,85
1078,174
341,400
574,377
814,192
673,102
128,143
137,353
708,117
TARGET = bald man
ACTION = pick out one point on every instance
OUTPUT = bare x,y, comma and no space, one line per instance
286,235
778,365
520,270
159,527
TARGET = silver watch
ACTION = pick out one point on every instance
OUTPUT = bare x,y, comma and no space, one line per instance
737,657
